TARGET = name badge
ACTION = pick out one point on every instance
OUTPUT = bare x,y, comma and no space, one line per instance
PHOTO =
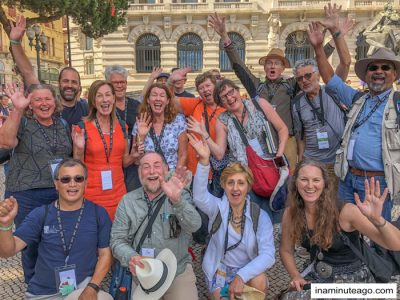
148,252
65,279
220,277
53,165
256,147
106,180
322,139
350,148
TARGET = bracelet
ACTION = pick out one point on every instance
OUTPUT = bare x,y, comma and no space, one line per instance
8,228
380,225
336,34
15,42
94,286
207,137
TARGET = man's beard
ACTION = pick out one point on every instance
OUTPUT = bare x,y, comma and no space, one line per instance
68,97
153,188
377,87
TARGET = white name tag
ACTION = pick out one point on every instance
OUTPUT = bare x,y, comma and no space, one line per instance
148,252
350,148
256,147
221,275
106,180
323,141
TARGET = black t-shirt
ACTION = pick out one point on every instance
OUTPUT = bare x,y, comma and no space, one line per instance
185,94
129,116
73,115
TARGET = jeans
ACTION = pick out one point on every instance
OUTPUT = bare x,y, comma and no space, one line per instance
27,201
355,184
263,202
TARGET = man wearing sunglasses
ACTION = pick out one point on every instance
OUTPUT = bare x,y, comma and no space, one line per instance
73,236
318,119
371,140
168,207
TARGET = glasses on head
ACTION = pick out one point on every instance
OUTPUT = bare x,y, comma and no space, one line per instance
67,179
228,94
373,68
306,76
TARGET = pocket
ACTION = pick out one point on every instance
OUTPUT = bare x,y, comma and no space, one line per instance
392,135
339,161
395,179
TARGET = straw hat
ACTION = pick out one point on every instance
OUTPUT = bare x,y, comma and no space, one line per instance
361,65
275,53
250,293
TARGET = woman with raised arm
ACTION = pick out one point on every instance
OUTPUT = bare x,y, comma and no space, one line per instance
316,219
241,247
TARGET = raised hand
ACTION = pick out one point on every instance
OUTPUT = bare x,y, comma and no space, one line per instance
156,72
218,23
174,186
373,202
201,147
18,30
137,150
8,211
316,34
78,137
16,94
331,20
143,125
196,126
179,74
346,25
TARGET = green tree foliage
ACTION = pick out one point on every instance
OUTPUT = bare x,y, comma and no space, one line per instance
94,17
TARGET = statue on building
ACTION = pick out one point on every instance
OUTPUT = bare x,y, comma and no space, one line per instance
384,30
273,36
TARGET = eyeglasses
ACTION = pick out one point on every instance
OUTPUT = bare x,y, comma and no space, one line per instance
67,179
306,76
276,63
373,68
118,82
228,94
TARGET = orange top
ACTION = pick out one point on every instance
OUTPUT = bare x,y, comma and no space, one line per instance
195,107
96,161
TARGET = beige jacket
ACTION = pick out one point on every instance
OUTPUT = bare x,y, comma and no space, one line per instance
390,145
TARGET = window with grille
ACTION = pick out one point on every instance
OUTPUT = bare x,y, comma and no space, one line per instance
298,47
362,46
147,53
2,74
190,52
89,66
88,43
240,45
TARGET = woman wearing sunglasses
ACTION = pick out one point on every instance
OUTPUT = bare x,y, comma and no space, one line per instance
239,251
102,144
252,123
314,218
40,139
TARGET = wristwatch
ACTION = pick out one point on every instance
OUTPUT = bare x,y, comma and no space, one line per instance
94,286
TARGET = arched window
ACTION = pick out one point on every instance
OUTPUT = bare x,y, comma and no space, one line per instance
190,52
298,47
240,45
362,46
2,74
147,53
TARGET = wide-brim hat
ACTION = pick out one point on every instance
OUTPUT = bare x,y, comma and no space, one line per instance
360,67
275,53
156,276
250,293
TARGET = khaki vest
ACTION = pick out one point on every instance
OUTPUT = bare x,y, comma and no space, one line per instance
390,145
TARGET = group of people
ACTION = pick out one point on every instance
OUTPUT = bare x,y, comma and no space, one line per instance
111,177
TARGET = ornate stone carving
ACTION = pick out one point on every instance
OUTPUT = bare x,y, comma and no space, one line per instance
239,28
184,28
189,19
254,25
137,31
167,27
146,20
289,29
274,27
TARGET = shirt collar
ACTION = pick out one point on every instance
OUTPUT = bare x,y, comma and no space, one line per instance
380,96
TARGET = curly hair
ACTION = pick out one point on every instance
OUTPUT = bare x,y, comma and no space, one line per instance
42,86
96,85
169,112
326,222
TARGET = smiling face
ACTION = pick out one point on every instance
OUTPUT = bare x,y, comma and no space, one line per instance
151,170
42,104
308,79
206,91
236,188
158,100
380,76
69,85
104,100
230,98
72,191
120,84
310,184
273,68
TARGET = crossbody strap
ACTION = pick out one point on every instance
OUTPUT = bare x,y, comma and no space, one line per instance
353,248
240,130
150,223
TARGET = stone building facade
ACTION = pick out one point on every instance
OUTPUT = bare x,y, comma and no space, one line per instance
170,33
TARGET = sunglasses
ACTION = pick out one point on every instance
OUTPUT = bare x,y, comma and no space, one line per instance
373,68
174,227
306,76
67,179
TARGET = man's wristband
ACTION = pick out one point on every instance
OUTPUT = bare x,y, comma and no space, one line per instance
379,225
336,34
7,228
94,286
15,42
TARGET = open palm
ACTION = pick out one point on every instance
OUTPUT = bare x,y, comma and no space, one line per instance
143,124
174,186
201,147
16,94
218,23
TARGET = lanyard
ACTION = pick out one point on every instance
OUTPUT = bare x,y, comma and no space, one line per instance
108,153
157,141
71,242
319,115
208,119
241,229
150,207
359,122
125,111
272,91
53,147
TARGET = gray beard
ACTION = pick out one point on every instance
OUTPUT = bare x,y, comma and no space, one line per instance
377,87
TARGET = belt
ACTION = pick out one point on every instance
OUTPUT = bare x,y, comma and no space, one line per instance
359,172
326,270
